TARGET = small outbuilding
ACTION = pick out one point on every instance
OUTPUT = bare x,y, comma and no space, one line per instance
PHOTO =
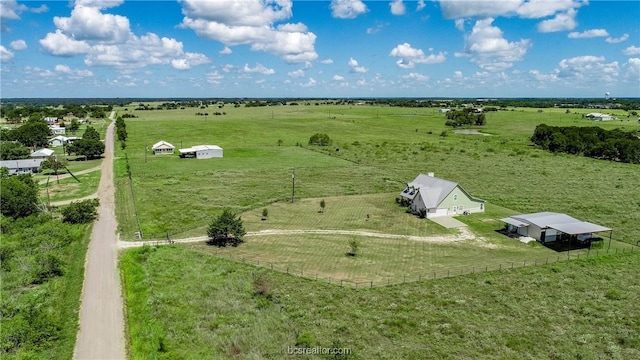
41,154
435,197
548,227
162,147
201,152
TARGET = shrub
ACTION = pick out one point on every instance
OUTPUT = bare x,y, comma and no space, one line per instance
320,139
81,212
355,246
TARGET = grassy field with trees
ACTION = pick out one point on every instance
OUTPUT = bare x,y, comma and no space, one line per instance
375,149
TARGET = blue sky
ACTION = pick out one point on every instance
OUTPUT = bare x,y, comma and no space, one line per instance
338,48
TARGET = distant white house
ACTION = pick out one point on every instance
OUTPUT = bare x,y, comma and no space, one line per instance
201,152
51,120
444,111
162,147
26,166
42,154
58,141
57,130
598,117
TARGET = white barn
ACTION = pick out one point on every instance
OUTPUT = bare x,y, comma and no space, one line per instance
201,152
162,147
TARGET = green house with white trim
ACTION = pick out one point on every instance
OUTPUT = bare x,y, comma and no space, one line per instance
439,197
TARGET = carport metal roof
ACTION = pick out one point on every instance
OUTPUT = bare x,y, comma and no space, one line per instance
580,227
514,222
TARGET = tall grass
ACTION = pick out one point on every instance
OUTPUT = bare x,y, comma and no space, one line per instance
203,306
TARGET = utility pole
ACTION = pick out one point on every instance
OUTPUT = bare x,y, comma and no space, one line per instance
293,184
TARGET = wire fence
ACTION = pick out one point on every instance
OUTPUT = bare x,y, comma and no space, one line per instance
441,273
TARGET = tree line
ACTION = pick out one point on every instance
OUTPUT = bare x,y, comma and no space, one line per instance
593,141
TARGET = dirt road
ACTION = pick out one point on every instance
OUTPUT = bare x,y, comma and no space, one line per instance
101,333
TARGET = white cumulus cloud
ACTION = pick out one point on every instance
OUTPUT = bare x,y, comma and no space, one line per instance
5,55
251,22
561,22
18,45
632,50
296,73
612,40
487,47
107,40
355,66
398,7
347,9
259,68
408,56
588,34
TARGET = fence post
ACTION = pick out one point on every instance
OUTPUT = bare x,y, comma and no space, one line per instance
372,284
447,273
356,286
500,267
486,268
271,266
419,277
287,269
404,280
512,265
434,275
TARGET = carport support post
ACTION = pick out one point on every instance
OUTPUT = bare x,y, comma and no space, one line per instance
610,235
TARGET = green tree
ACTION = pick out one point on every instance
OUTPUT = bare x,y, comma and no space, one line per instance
11,150
55,164
18,196
322,205
91,134
88,148
33,133
226,229
80,212
320,139
75,126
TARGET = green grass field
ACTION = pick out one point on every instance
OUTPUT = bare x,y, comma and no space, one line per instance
379,148
193,302
184,303
69,188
